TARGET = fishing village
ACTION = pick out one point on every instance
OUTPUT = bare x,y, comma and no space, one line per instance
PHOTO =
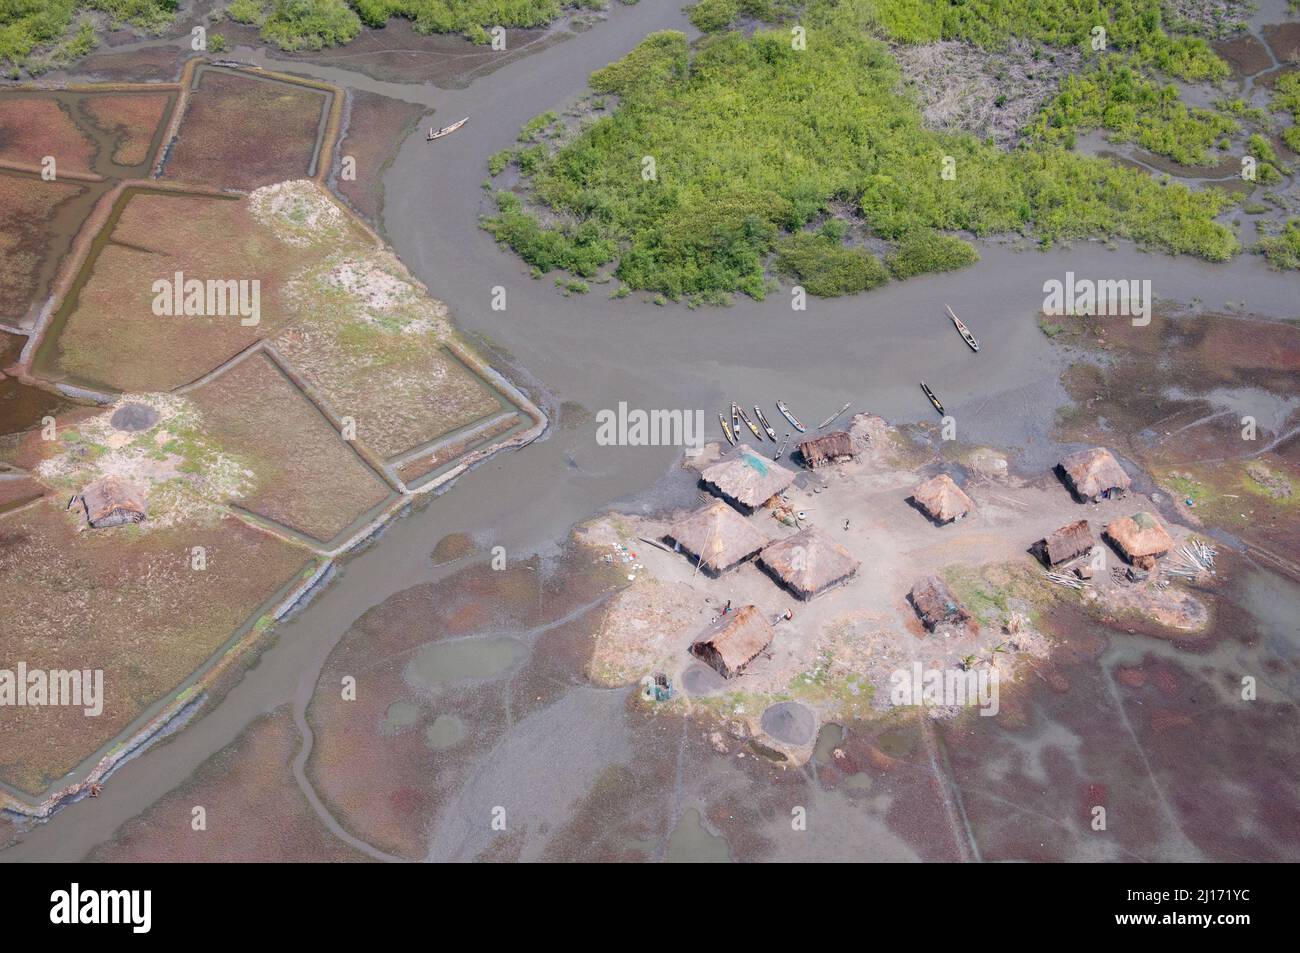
816,567
332,338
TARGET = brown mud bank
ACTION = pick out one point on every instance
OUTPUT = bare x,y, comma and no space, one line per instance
251,808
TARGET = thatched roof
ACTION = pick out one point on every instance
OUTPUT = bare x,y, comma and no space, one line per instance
828,448
809,562
734,641
717,536
935,603
1091,473
113,500
1140,538
1073,539
942,499
747,478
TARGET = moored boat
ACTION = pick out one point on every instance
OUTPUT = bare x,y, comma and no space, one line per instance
726,430
750,424
794,421
963,330
771,434
934,400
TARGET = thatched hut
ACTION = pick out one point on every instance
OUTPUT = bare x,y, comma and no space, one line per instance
1069,542
717,536
112,501
808,563
734,641
746,478
942,500
935,603
829,448
1140,538
1094,475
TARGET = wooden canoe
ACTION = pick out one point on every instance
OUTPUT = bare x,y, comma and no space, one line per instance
726,430
445,130
934,400
963,331
794,422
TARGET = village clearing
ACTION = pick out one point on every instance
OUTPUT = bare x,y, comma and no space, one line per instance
836,653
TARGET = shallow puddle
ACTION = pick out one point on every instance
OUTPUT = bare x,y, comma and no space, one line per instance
443,663
691,842
446,731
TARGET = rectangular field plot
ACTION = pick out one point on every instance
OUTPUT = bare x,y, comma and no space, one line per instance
126,601
131,120
35,125
243,131
401,396
107,334
307,476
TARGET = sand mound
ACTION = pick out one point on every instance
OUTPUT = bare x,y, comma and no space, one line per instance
299,212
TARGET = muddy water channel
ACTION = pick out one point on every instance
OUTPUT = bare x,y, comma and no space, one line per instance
496,707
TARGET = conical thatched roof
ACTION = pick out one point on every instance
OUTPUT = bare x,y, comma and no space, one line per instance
1073,539
717,536
808,562
942,499
747,478
734,641
1091,473
1140,538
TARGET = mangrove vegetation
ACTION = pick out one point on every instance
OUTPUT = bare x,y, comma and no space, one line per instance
792,150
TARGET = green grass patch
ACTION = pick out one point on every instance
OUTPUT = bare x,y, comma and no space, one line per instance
825,267
41,34
1116,97
1283,250
922,252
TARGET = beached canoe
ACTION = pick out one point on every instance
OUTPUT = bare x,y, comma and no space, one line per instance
758,412
758,435
794,422
445,130
726,430
964,331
